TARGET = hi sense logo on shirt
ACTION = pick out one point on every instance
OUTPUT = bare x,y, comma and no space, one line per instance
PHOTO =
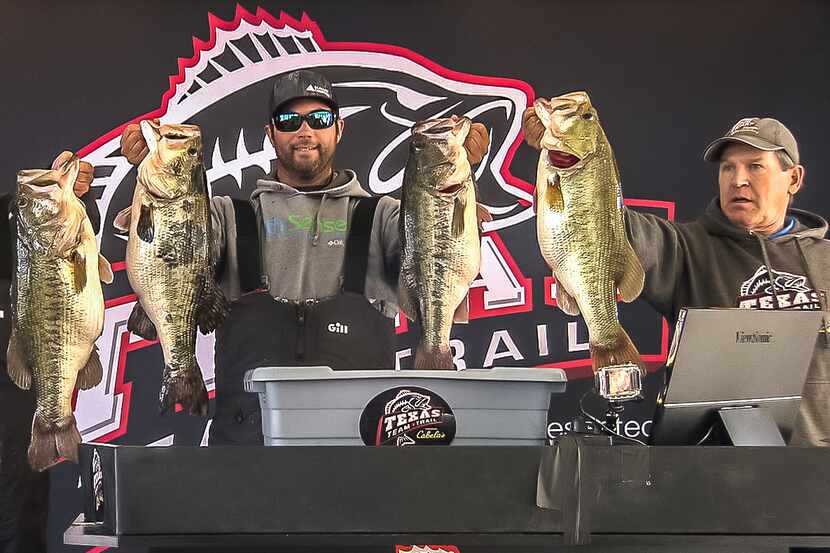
303,225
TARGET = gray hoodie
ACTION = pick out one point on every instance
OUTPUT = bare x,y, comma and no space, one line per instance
303,236
710,262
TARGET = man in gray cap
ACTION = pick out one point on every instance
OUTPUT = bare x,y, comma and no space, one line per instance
310,263
749,248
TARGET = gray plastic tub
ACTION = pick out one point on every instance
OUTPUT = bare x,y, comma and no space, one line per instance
319,406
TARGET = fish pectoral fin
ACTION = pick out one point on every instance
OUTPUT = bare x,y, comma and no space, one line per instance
105,270
632,277
140,324
565,301
458,216
16,365
145,228
213,309
79,270
553,195
90,374
462,312
122,220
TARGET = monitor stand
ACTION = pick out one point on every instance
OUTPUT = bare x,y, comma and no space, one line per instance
750,426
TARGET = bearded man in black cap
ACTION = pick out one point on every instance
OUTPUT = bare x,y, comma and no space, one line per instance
310,262
749,249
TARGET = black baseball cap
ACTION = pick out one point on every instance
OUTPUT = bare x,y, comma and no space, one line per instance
302,84
764,133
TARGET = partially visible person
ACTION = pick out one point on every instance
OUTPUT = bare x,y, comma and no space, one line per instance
750,248
24,494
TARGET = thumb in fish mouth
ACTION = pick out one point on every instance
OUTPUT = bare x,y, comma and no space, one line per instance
150,130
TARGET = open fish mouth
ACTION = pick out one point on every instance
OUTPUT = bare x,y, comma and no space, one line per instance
175,136
562,160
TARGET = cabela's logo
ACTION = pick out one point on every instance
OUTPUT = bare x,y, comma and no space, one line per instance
407,416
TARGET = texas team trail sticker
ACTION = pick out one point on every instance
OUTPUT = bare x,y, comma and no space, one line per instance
407,415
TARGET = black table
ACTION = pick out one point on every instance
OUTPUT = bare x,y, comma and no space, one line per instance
477,498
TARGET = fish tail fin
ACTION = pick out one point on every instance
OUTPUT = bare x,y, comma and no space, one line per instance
185,387
52,441
429,359
622,351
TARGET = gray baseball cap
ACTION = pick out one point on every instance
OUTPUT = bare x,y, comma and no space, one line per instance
764,133
302,84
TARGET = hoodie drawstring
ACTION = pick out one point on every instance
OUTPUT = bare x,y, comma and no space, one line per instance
317,220
768,265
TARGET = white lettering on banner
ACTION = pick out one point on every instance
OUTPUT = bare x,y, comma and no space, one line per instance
502,288
458,351
573,341
499,337
401,354
542,339
629,428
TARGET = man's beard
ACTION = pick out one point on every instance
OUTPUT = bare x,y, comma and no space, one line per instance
306,169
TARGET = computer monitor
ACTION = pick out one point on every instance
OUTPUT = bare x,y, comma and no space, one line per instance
738,373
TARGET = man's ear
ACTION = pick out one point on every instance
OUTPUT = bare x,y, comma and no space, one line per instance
340,126
796,179
269,132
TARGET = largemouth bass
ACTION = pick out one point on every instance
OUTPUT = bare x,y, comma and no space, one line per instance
169,261
57,307
440,245
580,226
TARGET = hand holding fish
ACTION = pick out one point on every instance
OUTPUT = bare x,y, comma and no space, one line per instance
477,143
133,145
532,127
85,172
